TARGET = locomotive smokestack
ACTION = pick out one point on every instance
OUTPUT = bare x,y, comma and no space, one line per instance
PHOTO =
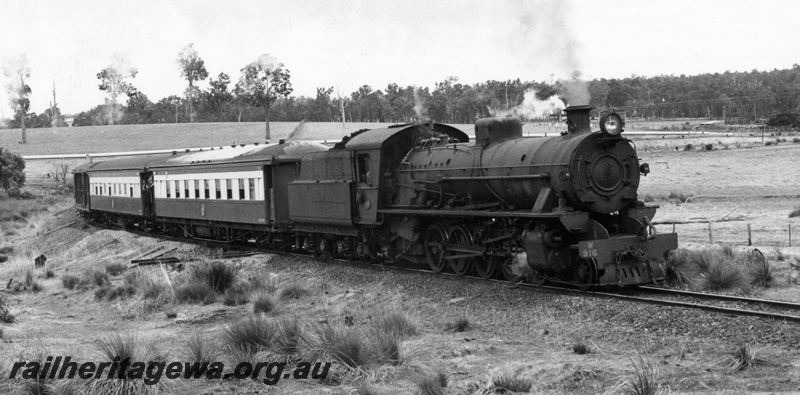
578,120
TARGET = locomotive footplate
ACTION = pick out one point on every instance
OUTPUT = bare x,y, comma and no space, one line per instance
629,259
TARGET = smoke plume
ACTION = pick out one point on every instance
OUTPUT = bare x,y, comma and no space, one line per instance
419,106
547,45
532,107
17,72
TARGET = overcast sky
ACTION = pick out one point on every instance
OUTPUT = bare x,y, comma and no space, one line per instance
349,43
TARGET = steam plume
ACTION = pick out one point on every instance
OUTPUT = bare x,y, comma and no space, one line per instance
546,44
532,107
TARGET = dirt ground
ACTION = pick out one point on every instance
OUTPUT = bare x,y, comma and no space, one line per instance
531,335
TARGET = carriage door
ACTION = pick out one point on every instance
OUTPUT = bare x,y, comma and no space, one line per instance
367,186
82,189
148,194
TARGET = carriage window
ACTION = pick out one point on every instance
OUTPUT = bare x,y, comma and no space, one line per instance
241,188
170,188
218,188
131,189
229,189
209,187
186,186
196,186
363,169
251,188
178,187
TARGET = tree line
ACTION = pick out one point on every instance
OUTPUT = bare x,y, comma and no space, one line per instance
261,92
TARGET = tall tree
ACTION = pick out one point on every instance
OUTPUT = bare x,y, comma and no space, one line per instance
218,97
114,81
17,71
193,69
263,81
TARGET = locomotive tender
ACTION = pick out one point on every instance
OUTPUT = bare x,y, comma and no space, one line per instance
563,207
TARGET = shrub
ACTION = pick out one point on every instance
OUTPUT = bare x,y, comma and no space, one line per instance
28,280
115,268
387,345
293,291
796,140
6,250
218,275
49,274
460,324
195,290
122,291
264,304
679,196
688,147
795,213
13,174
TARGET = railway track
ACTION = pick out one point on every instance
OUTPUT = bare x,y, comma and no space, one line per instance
722,304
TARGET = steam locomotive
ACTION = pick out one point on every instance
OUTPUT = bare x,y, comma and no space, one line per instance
563,208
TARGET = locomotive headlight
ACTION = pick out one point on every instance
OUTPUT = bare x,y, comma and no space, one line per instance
611,124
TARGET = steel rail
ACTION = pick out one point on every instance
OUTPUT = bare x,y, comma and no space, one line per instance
701,295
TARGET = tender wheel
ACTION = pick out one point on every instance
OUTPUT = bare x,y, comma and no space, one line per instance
435,239
486,266
585,274
459,235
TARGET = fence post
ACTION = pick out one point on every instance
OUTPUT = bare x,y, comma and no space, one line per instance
710,235
790,235
749,236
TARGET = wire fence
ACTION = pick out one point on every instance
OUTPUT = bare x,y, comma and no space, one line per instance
735,233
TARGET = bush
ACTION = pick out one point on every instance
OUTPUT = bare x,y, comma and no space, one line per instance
646,378
759,271
347,345
722,276
6,250
36,287
13,170
795,213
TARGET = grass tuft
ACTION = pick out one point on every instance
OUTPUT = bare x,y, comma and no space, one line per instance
5,316
744,358
200,349
293,291
646,378
460,324
509,380
721,276
431,384
581,348
758,269
250,335
133,348
194,290
264,303
795,213
115,268
395,322
218,275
